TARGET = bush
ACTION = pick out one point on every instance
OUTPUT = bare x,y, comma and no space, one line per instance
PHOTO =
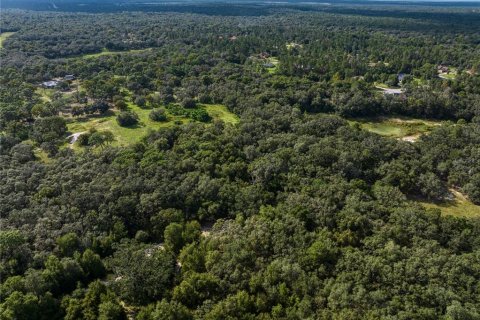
99,106
82,139
121,105
205,98
127,118
189,103
158,115
200,115
140,101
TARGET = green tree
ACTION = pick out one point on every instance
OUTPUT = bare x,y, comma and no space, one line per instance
127,118
68,244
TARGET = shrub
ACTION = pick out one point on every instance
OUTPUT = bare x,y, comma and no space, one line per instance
127,118
189,103
140,101
82,139
205,98
158,115
200,115
121,105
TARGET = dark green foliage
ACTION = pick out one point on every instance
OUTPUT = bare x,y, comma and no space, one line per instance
127,118
164,310
189,103
49,129
68,244
92,265
200,115
140,101
142,273
158,115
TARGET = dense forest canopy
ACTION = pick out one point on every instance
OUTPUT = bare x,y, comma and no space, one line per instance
216,161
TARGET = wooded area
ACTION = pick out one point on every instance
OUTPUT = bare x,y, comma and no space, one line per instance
221,166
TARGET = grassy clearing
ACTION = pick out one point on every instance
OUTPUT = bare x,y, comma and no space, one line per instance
106,52
396,127
218,111
123,135
41,155
4,36
381,85
129,135
275,62
45,94
450,75
460,206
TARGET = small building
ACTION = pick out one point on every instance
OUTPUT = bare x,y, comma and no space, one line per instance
69,77
50,84
400,77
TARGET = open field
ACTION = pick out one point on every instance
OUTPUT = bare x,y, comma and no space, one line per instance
218,111
4,36
459,206
129,135
396,127
106,52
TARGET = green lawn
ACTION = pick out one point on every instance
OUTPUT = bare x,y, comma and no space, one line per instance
129,135
396,127
218,111
4,36
459,206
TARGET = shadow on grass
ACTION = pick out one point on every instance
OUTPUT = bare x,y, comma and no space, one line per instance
134,126
86,118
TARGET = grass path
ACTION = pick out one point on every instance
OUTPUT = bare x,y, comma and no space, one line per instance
4,36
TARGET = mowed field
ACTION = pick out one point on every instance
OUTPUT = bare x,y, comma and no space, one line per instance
129,135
